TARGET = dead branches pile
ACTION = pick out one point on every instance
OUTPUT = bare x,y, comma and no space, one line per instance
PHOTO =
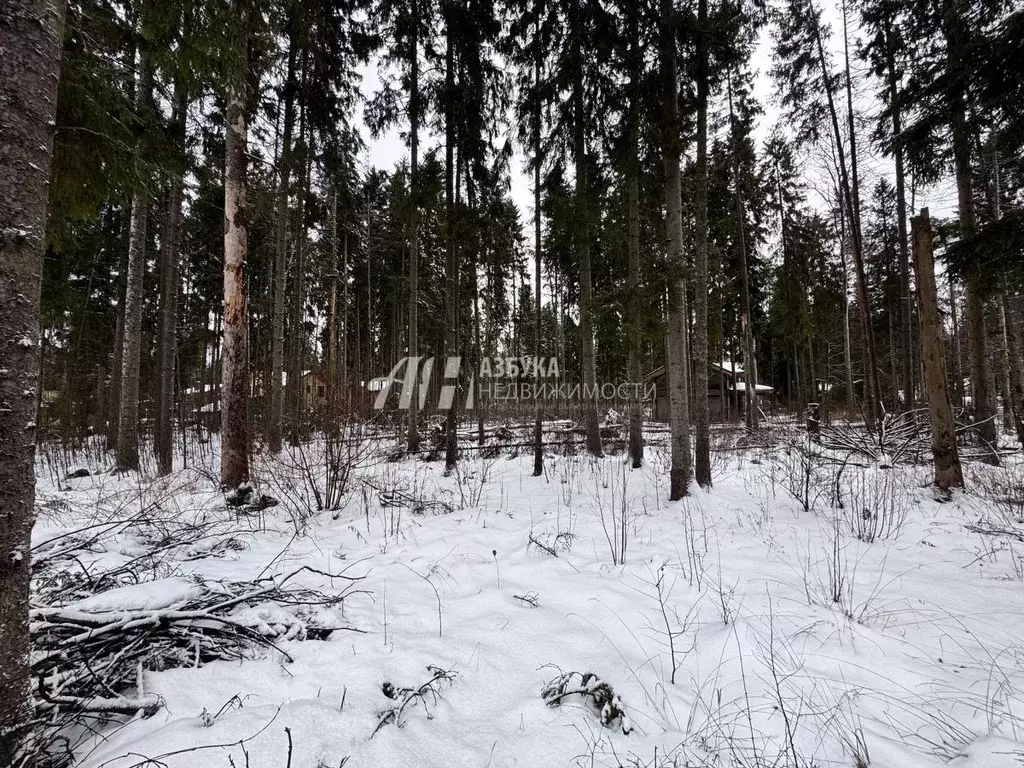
406,698
599,694
110,605
899,437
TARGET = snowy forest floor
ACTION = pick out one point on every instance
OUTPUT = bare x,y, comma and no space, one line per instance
755,624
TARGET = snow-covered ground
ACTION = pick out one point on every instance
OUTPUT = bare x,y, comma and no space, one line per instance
735,626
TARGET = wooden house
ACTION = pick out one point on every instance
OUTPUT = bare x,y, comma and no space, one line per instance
726,390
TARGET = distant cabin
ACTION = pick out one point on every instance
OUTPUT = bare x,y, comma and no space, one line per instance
203,402
726,390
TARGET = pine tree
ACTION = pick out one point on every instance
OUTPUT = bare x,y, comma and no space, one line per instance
30,36
677,357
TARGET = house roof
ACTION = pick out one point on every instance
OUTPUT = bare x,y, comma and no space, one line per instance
725,366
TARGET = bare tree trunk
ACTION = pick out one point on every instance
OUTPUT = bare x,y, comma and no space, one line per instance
677,356
1005,387
276,415
477,357
343,330
1012,414
906,336
168,347
582,234
413,439
234,389
113,403
982,398
634,299
853,210
944,452
295,389
746,328
957,352
131,352
451,299
702,463
31,35
1015,363
538,427
847,356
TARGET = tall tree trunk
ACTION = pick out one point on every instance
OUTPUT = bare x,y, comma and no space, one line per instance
413,438
295,390
875,408
982,398
276,416
906,335
234,388
168,346
31,35
847,356
451,453
131,351
1015,363
582,236
538,426
342,349
634,300
1005,387
944,451
746,327
957,352
1011,406
856,242
332,318
113,404
702,463
677,356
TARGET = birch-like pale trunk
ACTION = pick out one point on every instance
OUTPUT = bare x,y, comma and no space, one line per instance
234,387
127,452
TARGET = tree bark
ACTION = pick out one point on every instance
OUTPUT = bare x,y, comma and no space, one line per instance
582,235
31,35
168,347
948,473
538,428
295,388
413,436
451,453
234,388
906,335
276,415
1016,365
856,242
702,463
127,454
982,398
746,328
677,357
113,404
957,353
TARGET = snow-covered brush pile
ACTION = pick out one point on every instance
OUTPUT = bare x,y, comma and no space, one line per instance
404,699
90,656
901,437
109,605
592,689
